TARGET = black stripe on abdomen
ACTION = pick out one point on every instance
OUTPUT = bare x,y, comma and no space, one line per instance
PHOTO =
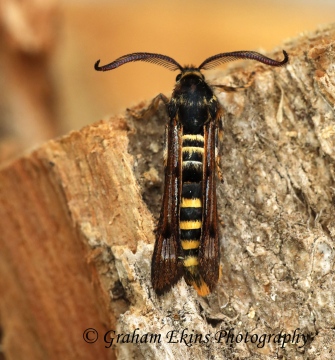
191,191
190,213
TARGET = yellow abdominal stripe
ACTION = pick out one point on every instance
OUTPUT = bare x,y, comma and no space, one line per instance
193,137
191,261
191,149
191,203
194,163
190,225
190,244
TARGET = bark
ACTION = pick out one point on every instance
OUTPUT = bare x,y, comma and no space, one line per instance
77,237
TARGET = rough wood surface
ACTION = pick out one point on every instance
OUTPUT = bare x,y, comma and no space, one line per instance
76,237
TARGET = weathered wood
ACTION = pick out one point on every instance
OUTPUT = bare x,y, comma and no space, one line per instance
62,208
76,238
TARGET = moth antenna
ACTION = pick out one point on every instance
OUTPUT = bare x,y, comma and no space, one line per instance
215,60
158,59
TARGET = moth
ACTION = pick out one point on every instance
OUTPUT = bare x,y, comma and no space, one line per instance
187,240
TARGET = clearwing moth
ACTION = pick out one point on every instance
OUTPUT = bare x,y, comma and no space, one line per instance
187,241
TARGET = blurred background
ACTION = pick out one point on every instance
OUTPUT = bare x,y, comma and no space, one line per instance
48,49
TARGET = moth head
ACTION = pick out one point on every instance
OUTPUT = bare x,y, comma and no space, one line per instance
190,71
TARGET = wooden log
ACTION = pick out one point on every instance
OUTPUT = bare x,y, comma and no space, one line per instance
76,236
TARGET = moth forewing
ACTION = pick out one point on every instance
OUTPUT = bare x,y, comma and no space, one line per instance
166,267
209,251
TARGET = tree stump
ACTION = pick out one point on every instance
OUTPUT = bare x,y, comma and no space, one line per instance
77,217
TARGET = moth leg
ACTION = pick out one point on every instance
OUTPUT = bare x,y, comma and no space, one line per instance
152,108
218,141
228,88
158,98
218,168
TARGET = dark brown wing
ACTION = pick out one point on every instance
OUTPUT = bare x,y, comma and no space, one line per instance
209,251
166,267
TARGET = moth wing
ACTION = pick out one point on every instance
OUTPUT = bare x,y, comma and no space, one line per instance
209,251
166,267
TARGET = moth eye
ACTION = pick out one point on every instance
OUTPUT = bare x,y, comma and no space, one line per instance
178,77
